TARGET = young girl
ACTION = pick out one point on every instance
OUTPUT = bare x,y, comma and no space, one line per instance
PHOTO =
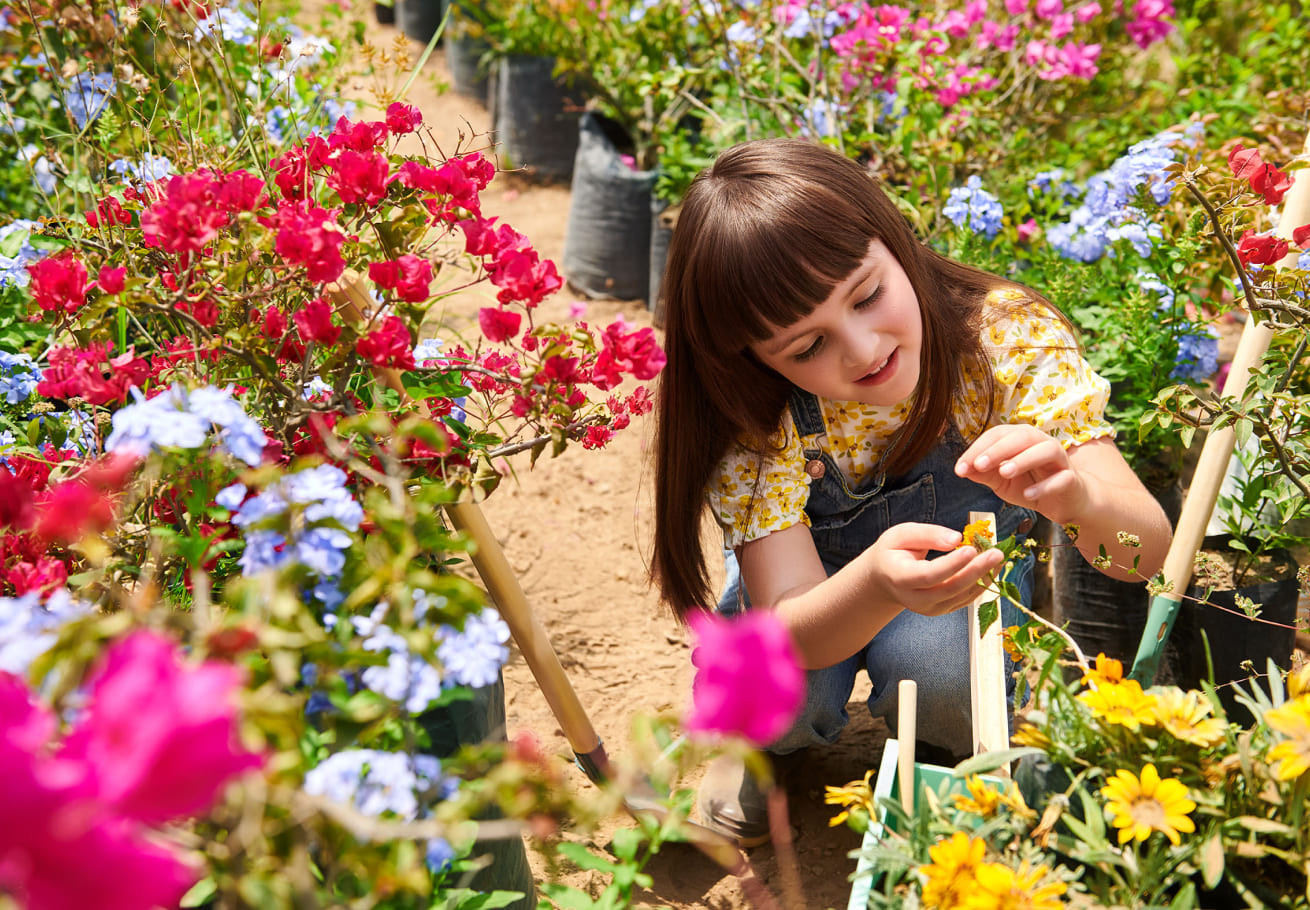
840,396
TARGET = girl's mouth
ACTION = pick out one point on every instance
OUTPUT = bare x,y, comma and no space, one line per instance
881,373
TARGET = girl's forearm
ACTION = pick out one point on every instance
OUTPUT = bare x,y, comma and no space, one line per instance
832,619
1132,528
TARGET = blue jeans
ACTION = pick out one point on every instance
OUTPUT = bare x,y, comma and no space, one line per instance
933,651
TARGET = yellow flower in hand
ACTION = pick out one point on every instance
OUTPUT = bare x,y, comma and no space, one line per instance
1293,721
1138,806
978,534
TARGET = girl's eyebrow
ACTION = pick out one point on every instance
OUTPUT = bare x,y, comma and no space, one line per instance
860,276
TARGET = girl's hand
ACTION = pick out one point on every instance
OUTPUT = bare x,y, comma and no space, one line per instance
1026,467
931,587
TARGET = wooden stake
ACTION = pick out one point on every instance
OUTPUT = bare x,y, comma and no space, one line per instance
991,709
906,713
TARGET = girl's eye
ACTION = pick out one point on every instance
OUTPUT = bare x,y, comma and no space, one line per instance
809,352
871,299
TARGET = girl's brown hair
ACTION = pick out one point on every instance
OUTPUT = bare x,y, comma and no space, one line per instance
762,238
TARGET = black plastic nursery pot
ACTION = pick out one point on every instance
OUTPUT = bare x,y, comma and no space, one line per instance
663,217
1239,646
535,115
1105,615
420,19
469,62
385,13
607,244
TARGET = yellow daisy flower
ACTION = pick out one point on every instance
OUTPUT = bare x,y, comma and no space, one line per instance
1003,888
1030,735
949,879
1293,753
985,799
1121,703
1107,670
1185,716
858,794
1298,681
1138,806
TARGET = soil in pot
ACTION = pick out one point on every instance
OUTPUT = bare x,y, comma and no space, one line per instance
1240,646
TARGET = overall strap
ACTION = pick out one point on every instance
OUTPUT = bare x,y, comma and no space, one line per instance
806,413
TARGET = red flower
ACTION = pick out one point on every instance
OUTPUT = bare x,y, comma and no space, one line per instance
409,276
71,510
241,191
1265,179
58,283
111,280
16,501
498,324
110,211
360,137
596,437
403,118
360,176
314,320
1260,249
1301,236
41,573
80,373
188,217
291,173
524,278
389,345
307,235
275,323
636,352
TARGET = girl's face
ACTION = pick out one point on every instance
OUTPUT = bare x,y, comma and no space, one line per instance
861,344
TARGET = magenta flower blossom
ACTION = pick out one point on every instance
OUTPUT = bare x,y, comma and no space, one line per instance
159,737
749,680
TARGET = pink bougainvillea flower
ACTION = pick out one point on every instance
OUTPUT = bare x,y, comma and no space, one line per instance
112,280
314,320
159,736
749,681
309,236
403,118
409,276
58,283
360,176
622,352
389,345
1301,235
498,324
188,217
1260,249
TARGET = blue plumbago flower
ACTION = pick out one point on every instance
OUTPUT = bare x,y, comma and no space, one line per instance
972,206
1198,354
9,124
28,627
315,387
1052,181
87,97
822,118
473,656
1108,213
149,169
377,782
42,172
18,377
1149,281
229,24
178,418
406,678
1303,261
334,110
639,10
328,511
439,855
741,33
81,427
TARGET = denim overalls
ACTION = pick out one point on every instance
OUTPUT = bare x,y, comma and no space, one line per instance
932,650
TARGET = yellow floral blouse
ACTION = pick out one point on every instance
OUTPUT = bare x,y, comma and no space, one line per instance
1041,379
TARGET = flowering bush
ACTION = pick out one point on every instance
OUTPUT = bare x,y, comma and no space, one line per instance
229,432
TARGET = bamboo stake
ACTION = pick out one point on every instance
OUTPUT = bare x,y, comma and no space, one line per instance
1208,476
907,707
991,711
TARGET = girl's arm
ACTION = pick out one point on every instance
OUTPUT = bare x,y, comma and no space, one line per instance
830,618
1088,485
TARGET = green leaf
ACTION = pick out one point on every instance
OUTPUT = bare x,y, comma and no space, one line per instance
585,859
626,843
1265,825
1211,859
988,613
990,761
468,899
565,897
200,893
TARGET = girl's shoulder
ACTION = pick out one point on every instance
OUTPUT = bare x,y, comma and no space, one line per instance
1013,316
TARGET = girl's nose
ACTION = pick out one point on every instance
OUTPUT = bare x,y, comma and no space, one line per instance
859,347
